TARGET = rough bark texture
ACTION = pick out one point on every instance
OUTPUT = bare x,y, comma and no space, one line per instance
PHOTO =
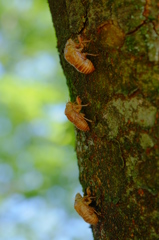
119,157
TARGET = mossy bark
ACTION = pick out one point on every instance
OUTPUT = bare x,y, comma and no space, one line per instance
119,157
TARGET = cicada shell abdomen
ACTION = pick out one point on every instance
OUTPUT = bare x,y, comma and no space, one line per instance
84,65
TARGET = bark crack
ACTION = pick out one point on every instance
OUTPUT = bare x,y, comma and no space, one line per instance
137,28
84,24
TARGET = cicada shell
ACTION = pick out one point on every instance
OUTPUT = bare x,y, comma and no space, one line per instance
82,207
73,55
72,111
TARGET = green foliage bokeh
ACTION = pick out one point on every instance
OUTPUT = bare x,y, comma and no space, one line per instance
38,167
37,157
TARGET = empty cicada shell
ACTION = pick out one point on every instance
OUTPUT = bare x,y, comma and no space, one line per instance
73,55
82,207
72,111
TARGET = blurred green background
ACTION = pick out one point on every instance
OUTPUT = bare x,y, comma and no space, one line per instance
38,166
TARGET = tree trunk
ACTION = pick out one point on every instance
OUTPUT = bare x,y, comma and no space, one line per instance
119,157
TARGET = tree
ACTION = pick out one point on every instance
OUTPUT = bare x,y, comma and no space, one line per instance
119,157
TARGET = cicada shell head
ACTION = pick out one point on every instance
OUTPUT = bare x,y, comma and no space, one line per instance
78,198
68,108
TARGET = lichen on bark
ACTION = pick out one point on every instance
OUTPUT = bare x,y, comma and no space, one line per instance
119,158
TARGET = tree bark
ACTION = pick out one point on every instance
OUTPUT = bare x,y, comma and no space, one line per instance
119,157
